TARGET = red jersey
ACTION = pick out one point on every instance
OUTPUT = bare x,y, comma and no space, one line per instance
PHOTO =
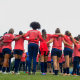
48,37
19,44
69,41
7,37
76,50
49,57
33,34
63,59
37,58
58,43
0,48
23,59
72,57
43,48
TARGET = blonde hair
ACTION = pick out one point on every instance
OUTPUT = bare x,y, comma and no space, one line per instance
11,31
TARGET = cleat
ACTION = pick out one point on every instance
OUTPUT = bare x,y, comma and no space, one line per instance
33,73
4,73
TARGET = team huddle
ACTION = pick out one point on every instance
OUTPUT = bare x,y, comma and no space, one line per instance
71,47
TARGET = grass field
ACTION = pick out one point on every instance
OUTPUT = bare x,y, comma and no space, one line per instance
38,76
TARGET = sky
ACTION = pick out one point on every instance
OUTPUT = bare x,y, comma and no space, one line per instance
51,14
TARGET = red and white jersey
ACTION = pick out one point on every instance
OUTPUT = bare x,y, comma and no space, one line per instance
58,43
32,34
49,57
19,44
68,40
6,39
48,37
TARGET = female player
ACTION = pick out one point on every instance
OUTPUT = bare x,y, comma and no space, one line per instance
44,51
76,54
22,62
18,51
33,45
6,49
57,49
67,51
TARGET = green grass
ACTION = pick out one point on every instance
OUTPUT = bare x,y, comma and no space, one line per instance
38,76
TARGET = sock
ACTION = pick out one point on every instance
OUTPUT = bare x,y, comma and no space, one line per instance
77,68
8,69
61,69
0,67
4,68
53,70
42,67
19,62
64,70
49,71
67,70
56,71
45,67
16,65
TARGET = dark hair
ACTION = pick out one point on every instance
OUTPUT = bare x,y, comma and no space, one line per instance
44,34
76,38
35,25
57,30
5,33
20,32
43,30
68,33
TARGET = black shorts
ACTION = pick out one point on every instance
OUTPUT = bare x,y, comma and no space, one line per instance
56,52
77,59
6,51
68,51
19,52
48,61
